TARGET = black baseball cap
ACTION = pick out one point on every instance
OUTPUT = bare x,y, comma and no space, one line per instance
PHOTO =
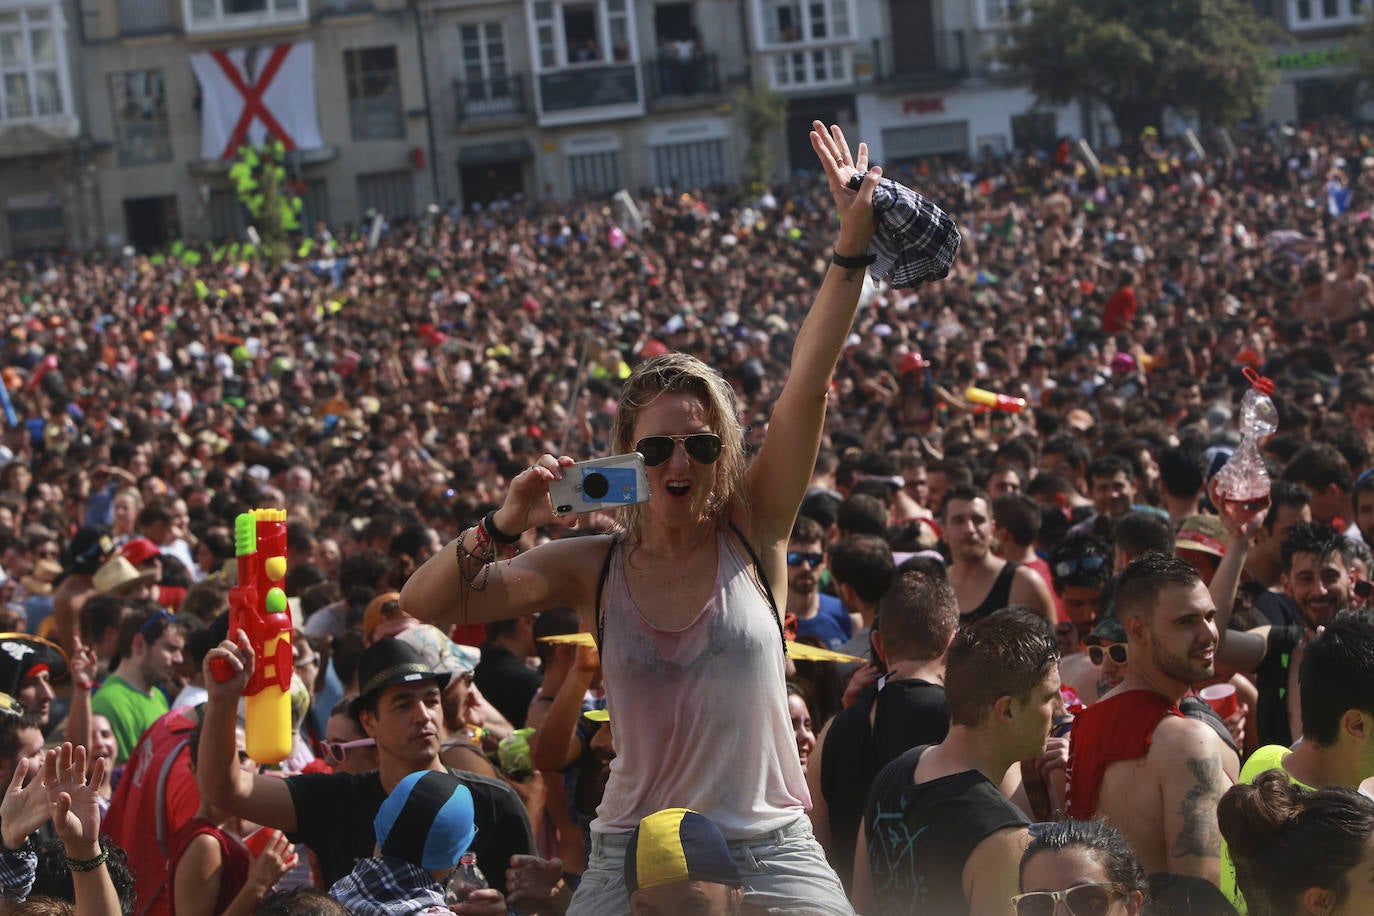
390,661
88,549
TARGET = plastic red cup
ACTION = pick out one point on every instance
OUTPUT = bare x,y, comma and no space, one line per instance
1221,697
258,840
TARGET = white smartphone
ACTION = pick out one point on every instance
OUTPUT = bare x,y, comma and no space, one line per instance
601,483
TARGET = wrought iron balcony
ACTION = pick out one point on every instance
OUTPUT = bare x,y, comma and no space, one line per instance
493,97
675,78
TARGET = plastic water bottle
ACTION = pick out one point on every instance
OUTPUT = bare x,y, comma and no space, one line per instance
465,879
1244,478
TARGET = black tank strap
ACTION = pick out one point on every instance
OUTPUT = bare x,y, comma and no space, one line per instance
600,588
763,580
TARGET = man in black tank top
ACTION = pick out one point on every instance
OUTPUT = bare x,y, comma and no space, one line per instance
984,583
938,835
907,708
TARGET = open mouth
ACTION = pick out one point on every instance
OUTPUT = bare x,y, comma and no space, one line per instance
678,489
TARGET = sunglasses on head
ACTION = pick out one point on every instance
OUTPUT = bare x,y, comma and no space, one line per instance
1116,652
797,558
703,448
162,615
1087,563
335,752
1081,900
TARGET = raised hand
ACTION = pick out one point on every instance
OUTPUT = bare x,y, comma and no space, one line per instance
527,502
83,665
855,208
235,657
24,808
277,858
73,799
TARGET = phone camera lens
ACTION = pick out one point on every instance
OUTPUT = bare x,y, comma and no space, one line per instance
595,485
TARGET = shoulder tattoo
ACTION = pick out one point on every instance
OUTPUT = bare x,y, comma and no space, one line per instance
1199,835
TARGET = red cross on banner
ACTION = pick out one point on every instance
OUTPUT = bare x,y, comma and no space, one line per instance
239,106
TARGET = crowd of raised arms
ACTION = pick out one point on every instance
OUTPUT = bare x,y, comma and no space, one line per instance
940,602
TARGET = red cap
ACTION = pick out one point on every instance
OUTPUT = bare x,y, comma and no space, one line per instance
1260,383
140,550
910,362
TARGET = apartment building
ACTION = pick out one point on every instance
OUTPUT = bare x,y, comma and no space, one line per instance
1317,77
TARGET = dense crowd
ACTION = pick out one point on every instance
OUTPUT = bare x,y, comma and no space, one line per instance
1066,645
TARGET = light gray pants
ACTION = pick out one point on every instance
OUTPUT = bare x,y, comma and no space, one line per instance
783,869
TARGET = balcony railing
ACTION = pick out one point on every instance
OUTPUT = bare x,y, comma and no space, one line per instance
582,87
494,97
145,17
937,58
670,78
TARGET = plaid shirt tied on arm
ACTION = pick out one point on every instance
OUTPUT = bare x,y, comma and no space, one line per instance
915,241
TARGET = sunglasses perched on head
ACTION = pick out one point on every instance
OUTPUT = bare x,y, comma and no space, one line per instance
1088,563
335,752
1082,900
797,558
1116,652
703,448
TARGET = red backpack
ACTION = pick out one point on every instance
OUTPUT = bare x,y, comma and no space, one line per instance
156,794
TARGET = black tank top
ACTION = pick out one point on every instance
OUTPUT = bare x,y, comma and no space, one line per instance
998,598
920,836
910,713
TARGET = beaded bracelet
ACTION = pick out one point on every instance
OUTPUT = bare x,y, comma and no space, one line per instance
88,864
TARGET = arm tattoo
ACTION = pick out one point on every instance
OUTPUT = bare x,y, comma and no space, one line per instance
853,272
1200,835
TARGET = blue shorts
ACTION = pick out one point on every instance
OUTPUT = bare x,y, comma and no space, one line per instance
784,869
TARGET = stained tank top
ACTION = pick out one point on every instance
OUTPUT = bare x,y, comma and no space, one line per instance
704,709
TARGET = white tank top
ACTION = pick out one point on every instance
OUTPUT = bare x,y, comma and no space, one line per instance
699,715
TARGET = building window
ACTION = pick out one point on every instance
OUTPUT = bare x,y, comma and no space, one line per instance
487,84
790,21
36,229
688,166
374,93
31,64
811,68
211,15
1000,14
1325,14
138,99
572,34
392,194
594,173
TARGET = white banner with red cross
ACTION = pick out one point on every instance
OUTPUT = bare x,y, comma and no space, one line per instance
251,95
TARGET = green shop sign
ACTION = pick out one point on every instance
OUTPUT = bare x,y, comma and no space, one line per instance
1314,60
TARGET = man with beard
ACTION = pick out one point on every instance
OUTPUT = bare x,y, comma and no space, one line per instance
150,644
1134,758
818,615
983,582
1316,577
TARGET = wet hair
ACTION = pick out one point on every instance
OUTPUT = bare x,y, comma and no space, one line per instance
917,615
966,492
998,656
1138,588
1138,532
1283,494
806,531
143,620
1072,551
1285,839
1314,538
1108,466
1337,675
1318,466
54,878
864,563
1103,842
1019,515
38,906
300,901
678,373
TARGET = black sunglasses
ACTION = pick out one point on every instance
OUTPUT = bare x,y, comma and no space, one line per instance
1082,900
703,448
1088,563
1116,652
797,558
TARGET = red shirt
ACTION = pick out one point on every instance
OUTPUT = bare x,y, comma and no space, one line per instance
1120,310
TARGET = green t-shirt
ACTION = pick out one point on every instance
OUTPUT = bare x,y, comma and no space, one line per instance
1269,757
129,710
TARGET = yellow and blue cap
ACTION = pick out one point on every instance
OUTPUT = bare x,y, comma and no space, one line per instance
677,844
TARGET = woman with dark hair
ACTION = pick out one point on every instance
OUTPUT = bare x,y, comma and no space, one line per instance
1299,851
1081,867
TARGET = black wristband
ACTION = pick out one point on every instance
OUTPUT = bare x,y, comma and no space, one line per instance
89,864
851,263
497,535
